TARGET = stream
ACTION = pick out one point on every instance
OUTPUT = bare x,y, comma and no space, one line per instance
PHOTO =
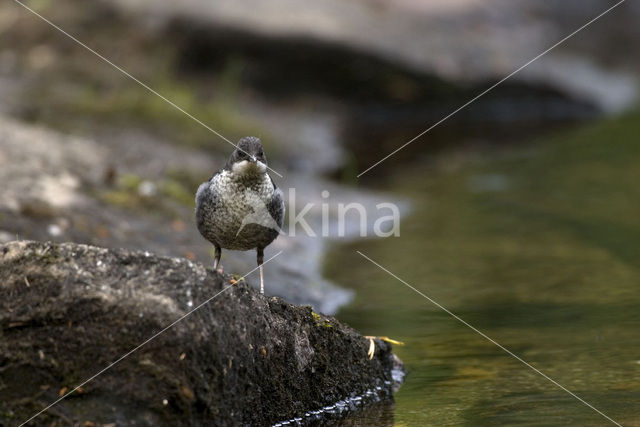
535,245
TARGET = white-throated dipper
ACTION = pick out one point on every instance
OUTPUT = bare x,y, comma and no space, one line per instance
240,207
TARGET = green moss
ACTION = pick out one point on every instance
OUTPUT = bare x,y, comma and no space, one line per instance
321,320
177,192
122,198
187,178
130,182
327,324
40,5
50,254
78,93
131,105
7,414
127,194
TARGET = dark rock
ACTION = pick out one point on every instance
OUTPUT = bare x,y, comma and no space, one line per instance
67,311
462,41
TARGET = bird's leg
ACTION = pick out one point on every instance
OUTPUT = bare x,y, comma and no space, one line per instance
260,260
216,257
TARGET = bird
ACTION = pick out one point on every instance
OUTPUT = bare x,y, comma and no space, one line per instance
240,207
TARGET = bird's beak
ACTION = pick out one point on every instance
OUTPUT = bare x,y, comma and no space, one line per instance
253,159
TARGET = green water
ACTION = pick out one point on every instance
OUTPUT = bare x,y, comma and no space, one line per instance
538,247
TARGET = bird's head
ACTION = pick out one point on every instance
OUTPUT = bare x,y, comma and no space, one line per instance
248,158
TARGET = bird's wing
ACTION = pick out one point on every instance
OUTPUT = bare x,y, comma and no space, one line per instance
205,192
276,205
206,199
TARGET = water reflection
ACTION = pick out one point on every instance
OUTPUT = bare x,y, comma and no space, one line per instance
537,247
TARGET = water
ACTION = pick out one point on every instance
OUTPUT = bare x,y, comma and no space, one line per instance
537,246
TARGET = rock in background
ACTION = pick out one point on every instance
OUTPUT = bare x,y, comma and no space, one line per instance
458,41
65,188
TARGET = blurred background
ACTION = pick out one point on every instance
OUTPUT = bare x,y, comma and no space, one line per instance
521,212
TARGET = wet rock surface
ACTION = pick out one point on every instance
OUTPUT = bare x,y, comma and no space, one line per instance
68,310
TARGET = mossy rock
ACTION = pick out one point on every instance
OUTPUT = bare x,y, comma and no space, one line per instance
241,358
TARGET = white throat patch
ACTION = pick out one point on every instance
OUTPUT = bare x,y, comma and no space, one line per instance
245,167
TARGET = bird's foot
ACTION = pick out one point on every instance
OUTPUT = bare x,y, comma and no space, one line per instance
372,344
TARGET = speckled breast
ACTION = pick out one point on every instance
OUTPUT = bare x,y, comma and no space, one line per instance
233,212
